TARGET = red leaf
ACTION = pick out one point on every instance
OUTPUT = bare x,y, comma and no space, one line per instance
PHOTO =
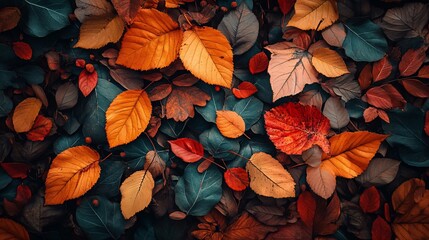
258,63
387,212
306,207
416,88
365,77
411,61
383,115
381,69
41,128
23,196
22,50
370,114
236,178
378,97
381,229
294,128
187,149
244,90
427,123
397,100
286,5
292,231
424,72
369,200
16,170
87,81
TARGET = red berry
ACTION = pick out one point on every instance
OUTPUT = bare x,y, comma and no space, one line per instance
122,154
80,63
217,88
88,140
234,4
224,9
95,202
91,56
89,67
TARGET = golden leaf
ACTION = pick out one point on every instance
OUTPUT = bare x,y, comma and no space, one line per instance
72,173
127,117
310,13
136,193
97,32
153,41
230,124
207,54
25,114
268,177
328,62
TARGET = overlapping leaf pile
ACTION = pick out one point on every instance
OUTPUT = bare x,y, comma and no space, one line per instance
206,119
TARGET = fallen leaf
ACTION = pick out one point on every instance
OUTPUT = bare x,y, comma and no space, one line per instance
311,98
268,177
370,114
89,8
9,18
41,128
16,170
286,5
22,50
185,80
187,149
270,215
381,69
424,72
318,14
416,88
244,90
381,229
127,9
160,92
258,63
312,156
335,35
25,114
181,101
206,53
66,96
369,200
411,61
127,117
328,62
136,191
236,178
10,229
230,124
87,81
154,164
336,112
73,172
294,128
426,126
306,206
247,227
144,44
365,76
321,180
380,171
292,231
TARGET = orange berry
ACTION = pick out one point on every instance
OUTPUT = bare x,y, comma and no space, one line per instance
89,67
217,88
95,202
224,9
88,140
122,154
234,4
80,63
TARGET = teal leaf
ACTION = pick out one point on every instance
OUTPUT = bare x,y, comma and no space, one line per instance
145,229
135,152
7,55
364,41
241,28
32,74
248,148
197,193
250,109
356,107
216,103
6,105
217,145
102,220
110,179
407,136
5,179
7,78
262,83
46,16
67,141
172,128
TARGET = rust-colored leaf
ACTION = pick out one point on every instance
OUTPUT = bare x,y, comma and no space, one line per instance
381,69
23,50
381,229
41,128
416,88
411,61
424,72
181,102
306,206
369,200
286,5
244,90
10,229
9,18
365,76
247,227
87,81
236,178
258,63
187,149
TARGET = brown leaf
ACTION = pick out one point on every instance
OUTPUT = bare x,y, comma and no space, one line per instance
416,88
269,215
293,231
127,9
411,61
9,18
160,92
247,227
381,69
365,76
180,103
185,80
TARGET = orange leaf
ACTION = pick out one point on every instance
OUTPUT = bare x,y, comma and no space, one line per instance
22,50
370,114
10,229
294,128
369,200
87,81
187,149
381,229
416,88
127,117
41,128
351,152
411,61
207,54
403,197
381,69
236,178
72,173
328,62
365,77
244,90
25,114
424,72
379,97
258,63
230,124
314,14
153,41
136,193
181,101
247,227
306,206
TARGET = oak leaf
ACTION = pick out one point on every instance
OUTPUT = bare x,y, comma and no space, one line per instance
328,62
136,191
268,177
72,173
181,101
25,114
127,117
294,128
314,14
230,124
207,54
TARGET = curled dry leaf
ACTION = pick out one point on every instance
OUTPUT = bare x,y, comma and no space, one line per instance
230,124
25,114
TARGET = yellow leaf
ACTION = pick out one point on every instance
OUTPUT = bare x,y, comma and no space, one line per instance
10,229
136,193
153,41
322,181
72,173
309,13
97,32
206,53
351,152
230,124
25,114
268,177
328,62
127,117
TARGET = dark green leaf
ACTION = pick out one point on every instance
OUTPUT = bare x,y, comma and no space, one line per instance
6,105
217,99
67,141
250,109
110,179
217,145
32,74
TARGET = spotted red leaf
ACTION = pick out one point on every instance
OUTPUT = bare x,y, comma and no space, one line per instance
22,50
258,63
187,149
41,128
411,61
87,81
244,90
236,178
381,69
306,207
381,229
294,128
369,200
